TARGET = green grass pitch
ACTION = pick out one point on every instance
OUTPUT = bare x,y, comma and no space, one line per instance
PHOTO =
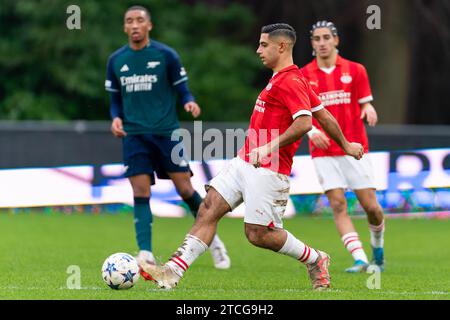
37,249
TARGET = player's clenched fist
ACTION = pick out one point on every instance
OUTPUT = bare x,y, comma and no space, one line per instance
258,155
117,128
356,150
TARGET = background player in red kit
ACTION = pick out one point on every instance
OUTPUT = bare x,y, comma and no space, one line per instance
343,87
258,176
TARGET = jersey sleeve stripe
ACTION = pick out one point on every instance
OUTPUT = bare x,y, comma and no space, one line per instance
180,81
365,100
108,86
317,108
301,113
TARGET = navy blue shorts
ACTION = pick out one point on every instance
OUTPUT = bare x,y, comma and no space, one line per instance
150,154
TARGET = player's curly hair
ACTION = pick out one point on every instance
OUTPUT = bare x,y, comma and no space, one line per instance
324,24
278,29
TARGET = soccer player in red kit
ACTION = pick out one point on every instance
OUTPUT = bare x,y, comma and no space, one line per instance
343,87
258,176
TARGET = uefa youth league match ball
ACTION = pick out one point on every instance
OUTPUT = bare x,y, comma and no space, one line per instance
120,271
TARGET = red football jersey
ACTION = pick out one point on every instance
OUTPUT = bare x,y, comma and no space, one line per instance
341,91
287,96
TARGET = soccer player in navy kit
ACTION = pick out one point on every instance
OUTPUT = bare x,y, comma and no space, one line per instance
144,78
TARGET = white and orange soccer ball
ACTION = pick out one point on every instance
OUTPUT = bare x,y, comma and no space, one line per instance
120,271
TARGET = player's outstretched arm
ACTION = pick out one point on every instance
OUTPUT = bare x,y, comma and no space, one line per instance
332,128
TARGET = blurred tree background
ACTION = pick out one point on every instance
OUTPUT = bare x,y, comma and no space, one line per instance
52,73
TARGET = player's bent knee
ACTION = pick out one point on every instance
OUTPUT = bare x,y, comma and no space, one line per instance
255,234
141,191
338,206
206,205
253,239
204,212
208,213
373,208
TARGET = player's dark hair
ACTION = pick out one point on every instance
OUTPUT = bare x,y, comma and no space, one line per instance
280,29
147,13
324,24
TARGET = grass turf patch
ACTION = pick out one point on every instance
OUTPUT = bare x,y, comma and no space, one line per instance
37,250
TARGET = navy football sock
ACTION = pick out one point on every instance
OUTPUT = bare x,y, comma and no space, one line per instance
143,219
194,203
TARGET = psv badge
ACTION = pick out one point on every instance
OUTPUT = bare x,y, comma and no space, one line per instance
346,78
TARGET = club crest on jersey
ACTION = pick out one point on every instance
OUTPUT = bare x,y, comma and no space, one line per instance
269,86
153,64
346,78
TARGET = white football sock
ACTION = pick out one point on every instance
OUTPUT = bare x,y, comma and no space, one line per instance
186,254
298,250
354,246
377,235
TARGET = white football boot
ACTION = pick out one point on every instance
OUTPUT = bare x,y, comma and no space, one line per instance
145,257
163,276
219,254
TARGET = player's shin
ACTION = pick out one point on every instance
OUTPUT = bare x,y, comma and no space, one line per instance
217,247
354,246
143,223
186,254
377,235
